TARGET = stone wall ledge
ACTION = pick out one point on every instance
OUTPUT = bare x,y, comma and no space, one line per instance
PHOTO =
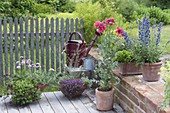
138,96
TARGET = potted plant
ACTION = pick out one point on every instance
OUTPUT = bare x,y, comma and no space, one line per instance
107,80
73,85
165,71
45,79
147,50
126,63
27,84
22,88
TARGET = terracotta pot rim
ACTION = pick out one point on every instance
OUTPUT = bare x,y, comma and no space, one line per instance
97,89
158,63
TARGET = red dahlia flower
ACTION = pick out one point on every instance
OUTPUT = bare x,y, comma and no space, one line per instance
100,26
110,21
119,31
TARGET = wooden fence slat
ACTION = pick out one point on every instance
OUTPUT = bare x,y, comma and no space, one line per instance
81,26
76,25
6,46
32,39
72,27
47,43
37,40
16,40
52,43
11,46
1,50
24,40
27,38
67,29
42,44
62,44
21,37
57,45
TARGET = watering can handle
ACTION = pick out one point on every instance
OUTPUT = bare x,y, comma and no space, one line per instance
74,33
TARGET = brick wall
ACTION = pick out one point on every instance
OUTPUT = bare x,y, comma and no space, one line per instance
137,96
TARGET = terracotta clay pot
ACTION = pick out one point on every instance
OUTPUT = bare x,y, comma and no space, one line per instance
42,87
150,71
129,69
104,100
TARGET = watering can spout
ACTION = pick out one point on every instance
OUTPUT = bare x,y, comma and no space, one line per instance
91,44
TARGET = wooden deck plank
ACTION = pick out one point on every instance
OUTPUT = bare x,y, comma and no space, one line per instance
10,107
24,109
68,106
35,107
79,105
3,108
89,104
55,104
46,107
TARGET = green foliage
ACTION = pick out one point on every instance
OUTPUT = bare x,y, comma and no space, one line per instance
16,8
104,72
69,7
165,71
65,6
22,87
147,54
90,13
123,56
126,8
42,8
24,92
154,13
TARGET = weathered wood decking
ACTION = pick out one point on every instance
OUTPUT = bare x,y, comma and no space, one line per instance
53,102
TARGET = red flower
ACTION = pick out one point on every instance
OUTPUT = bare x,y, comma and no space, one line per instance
119,31
110,21
97,24
100,26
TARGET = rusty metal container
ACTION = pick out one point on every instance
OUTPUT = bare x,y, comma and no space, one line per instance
75,50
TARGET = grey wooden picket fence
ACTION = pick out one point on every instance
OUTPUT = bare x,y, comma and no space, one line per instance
41,40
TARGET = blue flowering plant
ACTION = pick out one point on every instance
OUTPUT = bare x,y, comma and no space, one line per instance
147,48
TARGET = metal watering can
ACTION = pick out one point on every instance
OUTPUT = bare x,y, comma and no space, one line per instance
88,63
76,50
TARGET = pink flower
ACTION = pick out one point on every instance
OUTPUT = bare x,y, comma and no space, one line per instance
119,31
97,24
110,21
100,26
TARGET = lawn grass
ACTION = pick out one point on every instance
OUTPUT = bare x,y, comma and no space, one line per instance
166,37
60,15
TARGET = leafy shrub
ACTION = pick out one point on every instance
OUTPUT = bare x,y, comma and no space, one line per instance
42,8
24,92
15,8
123,56
90,12
126,8
69,7
154,14
65,6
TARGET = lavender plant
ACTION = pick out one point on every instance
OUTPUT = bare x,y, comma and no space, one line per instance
72,88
